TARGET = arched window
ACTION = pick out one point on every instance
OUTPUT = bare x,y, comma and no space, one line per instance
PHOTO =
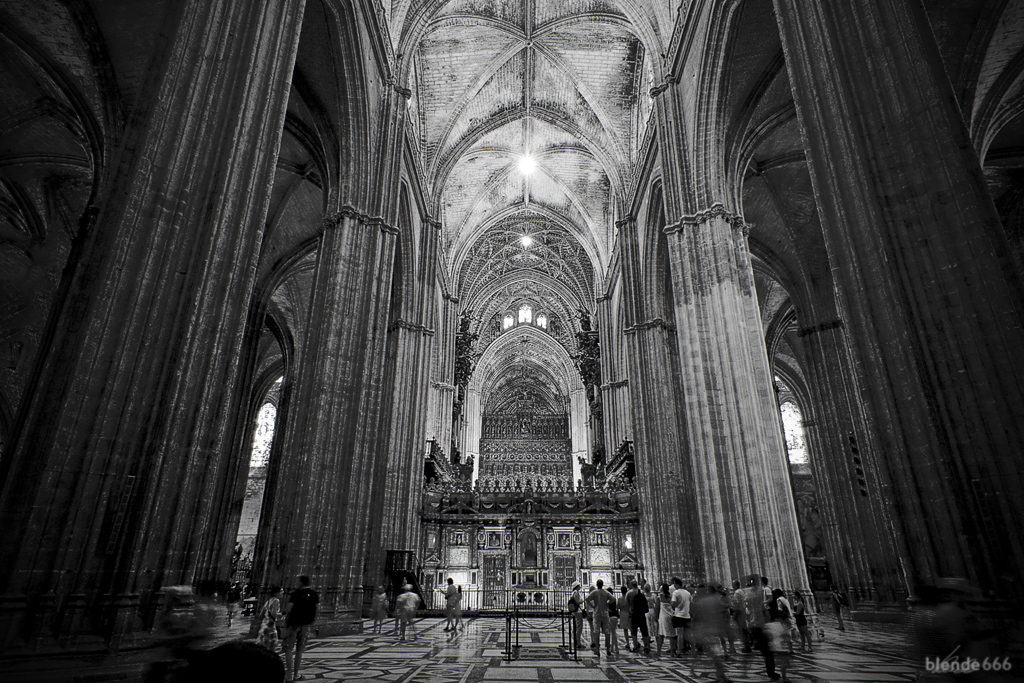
252,505
542,321
525,313
263,436
508,322
793,426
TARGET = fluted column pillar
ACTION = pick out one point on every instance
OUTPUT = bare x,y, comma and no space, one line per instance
668,523
932,303
110,473
747,516
862,547
403,492
332,433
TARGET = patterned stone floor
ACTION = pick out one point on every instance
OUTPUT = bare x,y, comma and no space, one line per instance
865,653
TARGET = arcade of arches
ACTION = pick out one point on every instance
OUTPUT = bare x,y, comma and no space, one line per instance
516,290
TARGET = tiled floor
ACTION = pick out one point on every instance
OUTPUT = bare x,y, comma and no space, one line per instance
865,653
871,653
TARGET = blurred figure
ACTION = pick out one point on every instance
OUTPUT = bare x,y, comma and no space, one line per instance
233,598
181,627
458,609
839,601
779,628
408,603
709,623
737,607
945,631
756,608
379,608
270,620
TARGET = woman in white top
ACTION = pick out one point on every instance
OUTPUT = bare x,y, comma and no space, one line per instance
665,612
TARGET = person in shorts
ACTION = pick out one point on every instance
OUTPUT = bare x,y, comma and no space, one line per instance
300,615
408,603
681,599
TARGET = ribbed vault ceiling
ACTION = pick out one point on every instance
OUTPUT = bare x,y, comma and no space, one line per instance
562,83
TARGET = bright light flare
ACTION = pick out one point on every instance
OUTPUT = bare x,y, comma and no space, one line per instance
527,164
526,241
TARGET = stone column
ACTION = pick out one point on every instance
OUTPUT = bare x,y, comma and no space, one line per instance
668,513
932,305
323,514
403,487
862,547
747,516
109,476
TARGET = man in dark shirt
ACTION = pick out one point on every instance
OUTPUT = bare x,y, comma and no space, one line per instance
301,613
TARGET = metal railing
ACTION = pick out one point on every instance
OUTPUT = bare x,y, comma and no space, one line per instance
527,600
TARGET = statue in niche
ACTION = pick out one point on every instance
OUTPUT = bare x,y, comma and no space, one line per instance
585,320
529,550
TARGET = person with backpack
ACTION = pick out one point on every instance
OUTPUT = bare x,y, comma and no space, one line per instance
638,608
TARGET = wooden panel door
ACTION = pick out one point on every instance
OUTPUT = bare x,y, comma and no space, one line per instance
565,571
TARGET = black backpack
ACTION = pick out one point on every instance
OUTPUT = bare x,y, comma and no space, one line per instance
640,606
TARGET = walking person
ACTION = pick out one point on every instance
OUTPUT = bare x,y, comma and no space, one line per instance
300,615
756,606
379,608
408,603
624,617
800,619
449,604
709,623
839,601
599,600
270,620
457,610
778,629
234,596
738,609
